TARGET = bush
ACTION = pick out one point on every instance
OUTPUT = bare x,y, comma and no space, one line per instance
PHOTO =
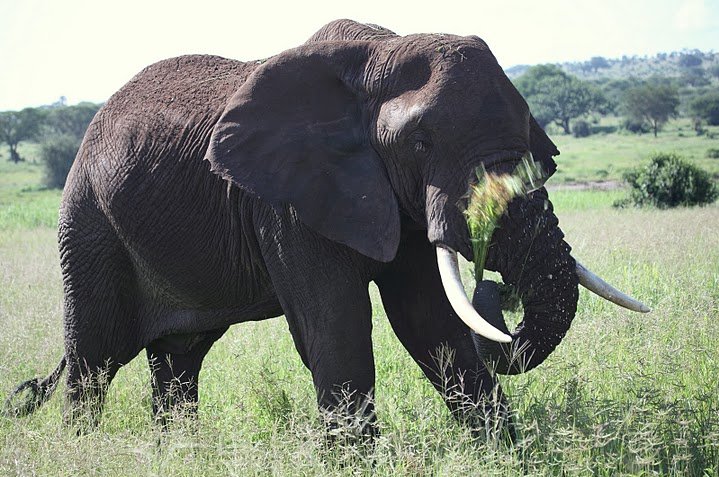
58,153
635,126
581,128
668,181
713,153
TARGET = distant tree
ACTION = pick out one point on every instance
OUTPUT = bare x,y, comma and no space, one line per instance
71,120
613,90
530,82
689,60
714,70
652,103
706,107
19,126
695,77
555,96
598,62
63,130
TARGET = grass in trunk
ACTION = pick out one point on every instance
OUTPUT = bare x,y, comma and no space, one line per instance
488,200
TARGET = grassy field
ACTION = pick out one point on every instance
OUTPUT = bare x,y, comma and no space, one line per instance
603,157
625,394
24,202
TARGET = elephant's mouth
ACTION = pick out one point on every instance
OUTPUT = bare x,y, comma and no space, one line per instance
502,163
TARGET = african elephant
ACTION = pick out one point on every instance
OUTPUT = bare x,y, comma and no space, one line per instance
209,192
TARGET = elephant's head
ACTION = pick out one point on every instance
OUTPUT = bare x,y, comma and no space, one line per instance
363,137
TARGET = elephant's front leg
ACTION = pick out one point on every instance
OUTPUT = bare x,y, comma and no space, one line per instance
323,290
437,340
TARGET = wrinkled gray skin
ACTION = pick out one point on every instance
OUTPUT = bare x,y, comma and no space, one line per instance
209,192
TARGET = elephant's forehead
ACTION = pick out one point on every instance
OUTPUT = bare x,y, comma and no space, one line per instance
486,111
472,98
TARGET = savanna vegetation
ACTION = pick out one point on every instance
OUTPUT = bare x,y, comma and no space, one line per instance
644,92
57,129
625,394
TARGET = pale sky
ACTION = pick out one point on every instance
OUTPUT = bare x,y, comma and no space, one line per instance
87,49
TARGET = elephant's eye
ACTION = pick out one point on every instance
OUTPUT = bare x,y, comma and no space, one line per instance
421,147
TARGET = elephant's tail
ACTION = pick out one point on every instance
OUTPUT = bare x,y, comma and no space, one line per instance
40,391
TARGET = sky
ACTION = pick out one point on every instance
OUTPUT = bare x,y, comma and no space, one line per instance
86,50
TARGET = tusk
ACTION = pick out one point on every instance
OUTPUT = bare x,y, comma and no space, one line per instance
593,283
453,288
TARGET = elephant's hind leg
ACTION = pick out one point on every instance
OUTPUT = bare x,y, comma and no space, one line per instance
102,329
175,363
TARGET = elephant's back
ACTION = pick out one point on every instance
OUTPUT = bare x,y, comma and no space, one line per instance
169,102
142,164
161,119
185,85
155,130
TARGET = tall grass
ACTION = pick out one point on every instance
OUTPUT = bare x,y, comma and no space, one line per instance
625,394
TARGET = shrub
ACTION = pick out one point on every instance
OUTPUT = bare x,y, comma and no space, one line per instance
635,126
581,128
58,153
713,153
668,181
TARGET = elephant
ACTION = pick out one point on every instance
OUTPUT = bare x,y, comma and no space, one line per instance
209,192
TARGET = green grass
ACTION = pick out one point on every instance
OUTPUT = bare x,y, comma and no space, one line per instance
566,200
607,156
23,201
625,394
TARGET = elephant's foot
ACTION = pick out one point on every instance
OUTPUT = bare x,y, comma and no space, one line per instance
349,418
85,398
350,435
350,428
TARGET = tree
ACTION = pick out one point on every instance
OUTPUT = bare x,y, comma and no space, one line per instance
18,126
70,120
695,77
63,130
555,96
689,60
613,90
597,63
706,107
653,103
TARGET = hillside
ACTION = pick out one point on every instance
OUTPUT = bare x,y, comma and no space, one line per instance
674,64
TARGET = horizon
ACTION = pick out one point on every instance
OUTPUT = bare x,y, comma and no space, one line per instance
43,59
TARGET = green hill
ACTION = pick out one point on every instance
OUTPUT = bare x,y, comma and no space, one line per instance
677,64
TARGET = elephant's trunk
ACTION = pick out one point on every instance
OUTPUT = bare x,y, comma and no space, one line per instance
529,251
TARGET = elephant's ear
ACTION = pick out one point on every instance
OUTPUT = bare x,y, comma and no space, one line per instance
296,133
542,148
